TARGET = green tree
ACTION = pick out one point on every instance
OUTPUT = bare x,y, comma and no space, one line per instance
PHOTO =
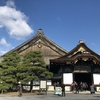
32,68
8,71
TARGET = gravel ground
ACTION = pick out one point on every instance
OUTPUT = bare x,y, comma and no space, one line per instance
51,96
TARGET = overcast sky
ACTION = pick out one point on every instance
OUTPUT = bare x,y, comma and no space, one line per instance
63,21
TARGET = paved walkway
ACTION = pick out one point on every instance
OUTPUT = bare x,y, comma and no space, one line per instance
51,96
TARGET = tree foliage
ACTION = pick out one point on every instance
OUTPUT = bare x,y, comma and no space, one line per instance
8,70
33,67
30,67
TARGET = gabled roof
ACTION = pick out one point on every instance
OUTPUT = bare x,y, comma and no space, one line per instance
39,36
80,51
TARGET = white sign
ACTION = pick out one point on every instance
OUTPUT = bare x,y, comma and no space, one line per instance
43,84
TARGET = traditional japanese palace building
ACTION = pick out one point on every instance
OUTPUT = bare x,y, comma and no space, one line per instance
40,42
79,64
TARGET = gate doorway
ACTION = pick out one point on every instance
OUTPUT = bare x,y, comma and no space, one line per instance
83,77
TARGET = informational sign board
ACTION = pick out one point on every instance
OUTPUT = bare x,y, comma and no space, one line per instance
58,91
43,87
43,84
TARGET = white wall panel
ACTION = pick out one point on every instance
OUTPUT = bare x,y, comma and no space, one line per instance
67,78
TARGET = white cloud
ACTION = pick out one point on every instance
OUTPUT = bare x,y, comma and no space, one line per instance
1,26
14,21
3,42
3,52
10,3
4,46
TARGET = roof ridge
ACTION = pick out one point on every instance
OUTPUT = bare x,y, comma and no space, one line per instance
40,32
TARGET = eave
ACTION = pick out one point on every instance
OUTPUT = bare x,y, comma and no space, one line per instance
72,57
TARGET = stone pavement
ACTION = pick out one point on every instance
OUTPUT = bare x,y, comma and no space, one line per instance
51,96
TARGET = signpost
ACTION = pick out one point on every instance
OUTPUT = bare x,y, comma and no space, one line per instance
58,90
43,86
